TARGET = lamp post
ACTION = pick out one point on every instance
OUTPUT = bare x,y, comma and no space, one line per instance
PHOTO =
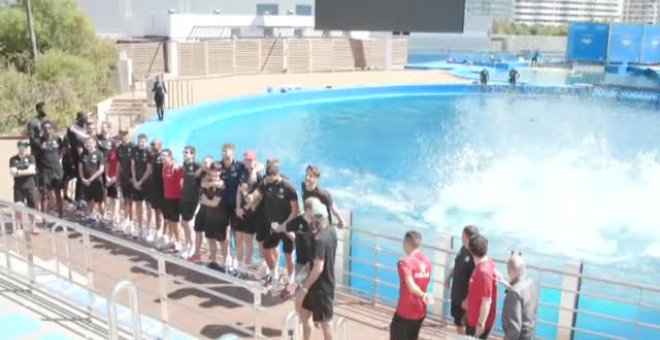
30,20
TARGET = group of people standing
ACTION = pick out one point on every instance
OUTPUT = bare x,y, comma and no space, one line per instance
247,200
174,207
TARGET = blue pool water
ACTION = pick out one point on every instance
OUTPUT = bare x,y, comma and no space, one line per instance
557,177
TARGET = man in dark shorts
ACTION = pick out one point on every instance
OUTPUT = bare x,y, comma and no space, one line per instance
189,197
459,278
280,204
51,174
112,185
23,168
311,188
247,219
205,203
125,157
141,169
483,78
317,294
215,219
513,77
35,134
172,175
104,145
91,169
231,173
414,278
304,239
76,135
154,193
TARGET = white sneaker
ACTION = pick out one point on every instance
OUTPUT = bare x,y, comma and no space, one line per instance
128,228
149,235
177,247
18,232
185,249
161,242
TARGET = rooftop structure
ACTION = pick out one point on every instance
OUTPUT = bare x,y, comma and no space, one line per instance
641,11
559,12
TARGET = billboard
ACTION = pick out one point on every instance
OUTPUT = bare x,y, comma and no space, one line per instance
587,42
625,43
391,15
650,53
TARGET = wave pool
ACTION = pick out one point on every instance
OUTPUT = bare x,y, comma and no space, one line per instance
556,172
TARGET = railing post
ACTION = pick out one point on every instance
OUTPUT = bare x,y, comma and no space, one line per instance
258,332
374,298
162,286
89,274
443,257
570,295
5,239
30,253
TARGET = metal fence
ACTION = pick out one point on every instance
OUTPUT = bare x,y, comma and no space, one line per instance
572,302
77,249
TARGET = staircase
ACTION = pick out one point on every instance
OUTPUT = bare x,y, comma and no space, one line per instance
125,112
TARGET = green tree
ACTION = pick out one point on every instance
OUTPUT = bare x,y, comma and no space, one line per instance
71,73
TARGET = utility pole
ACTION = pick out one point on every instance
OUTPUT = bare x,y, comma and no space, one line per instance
30,20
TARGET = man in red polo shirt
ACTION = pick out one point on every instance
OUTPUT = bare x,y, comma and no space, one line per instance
414,277
172,189
482,290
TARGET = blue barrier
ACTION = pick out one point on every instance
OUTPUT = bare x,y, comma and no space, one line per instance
587,42
650,51
625,43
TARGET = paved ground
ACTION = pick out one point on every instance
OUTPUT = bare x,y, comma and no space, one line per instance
195,311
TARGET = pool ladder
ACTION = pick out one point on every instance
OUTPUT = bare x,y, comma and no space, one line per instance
292,328
135,310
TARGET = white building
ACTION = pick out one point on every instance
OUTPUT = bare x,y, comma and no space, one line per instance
141,17
558,12
492,8
641,11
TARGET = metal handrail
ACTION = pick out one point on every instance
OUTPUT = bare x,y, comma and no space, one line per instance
162,259
292,319
135,309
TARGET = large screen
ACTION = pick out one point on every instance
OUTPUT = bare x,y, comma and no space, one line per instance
391,15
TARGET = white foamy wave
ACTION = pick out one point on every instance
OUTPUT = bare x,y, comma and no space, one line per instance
579,202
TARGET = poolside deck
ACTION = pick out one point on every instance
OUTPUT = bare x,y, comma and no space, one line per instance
201,314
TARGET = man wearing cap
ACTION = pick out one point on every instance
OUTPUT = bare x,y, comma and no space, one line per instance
22,167
311,188
316,296
247,218
51,173
91,170
280,204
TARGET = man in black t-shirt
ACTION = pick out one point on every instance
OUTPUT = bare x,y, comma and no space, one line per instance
232,171
124,157
51,174
316,296
76,135
91,169
104,145
141,169
34,126
280,204
248,220
153,192
459,278
22,167
189,201
303,235
310,188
